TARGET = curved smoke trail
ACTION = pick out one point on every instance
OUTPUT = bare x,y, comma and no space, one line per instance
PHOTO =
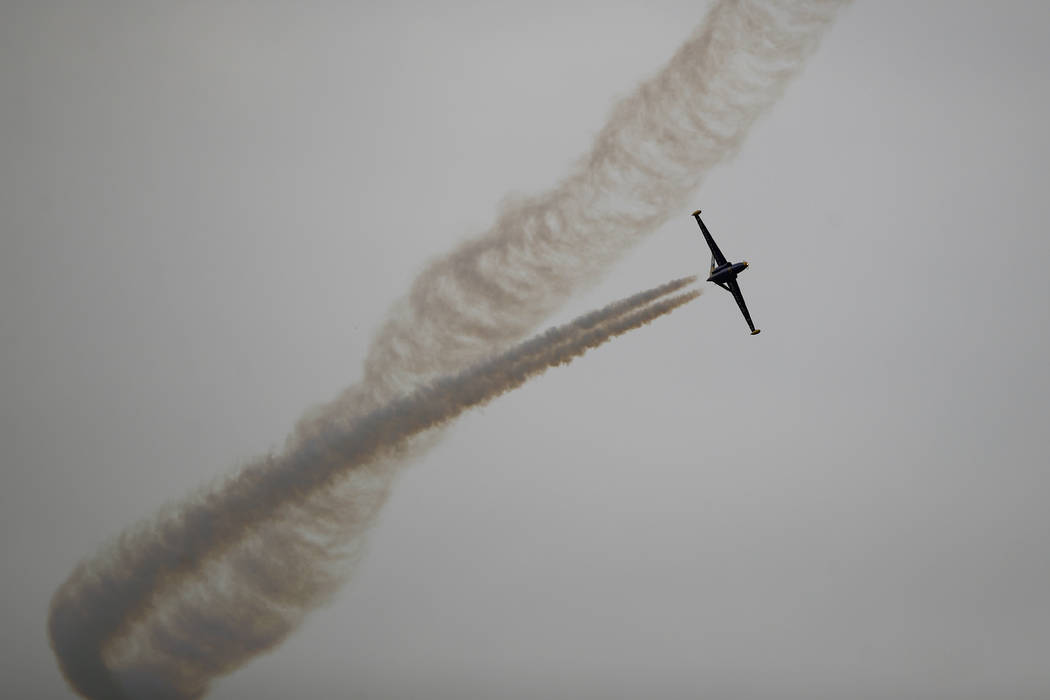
202,610
112,619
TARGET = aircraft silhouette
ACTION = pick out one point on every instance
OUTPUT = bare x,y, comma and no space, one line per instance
723,272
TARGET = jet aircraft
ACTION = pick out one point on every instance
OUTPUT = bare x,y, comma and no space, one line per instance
723,272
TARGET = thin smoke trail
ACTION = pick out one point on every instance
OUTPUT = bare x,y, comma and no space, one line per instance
155,560
652,154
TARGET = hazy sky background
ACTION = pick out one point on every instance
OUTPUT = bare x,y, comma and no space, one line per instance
207,208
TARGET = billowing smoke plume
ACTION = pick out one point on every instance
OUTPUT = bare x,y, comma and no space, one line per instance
174,603
646,163
274,541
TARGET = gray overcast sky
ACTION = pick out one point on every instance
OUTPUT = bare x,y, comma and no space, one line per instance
207,208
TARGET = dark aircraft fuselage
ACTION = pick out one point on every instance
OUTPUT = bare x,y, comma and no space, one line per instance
724,273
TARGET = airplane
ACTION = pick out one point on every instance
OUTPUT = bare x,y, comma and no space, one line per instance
723,273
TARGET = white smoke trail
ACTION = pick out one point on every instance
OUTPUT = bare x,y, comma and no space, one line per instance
176,606
652,154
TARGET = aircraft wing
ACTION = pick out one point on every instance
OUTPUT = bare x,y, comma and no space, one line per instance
716,255
734,287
